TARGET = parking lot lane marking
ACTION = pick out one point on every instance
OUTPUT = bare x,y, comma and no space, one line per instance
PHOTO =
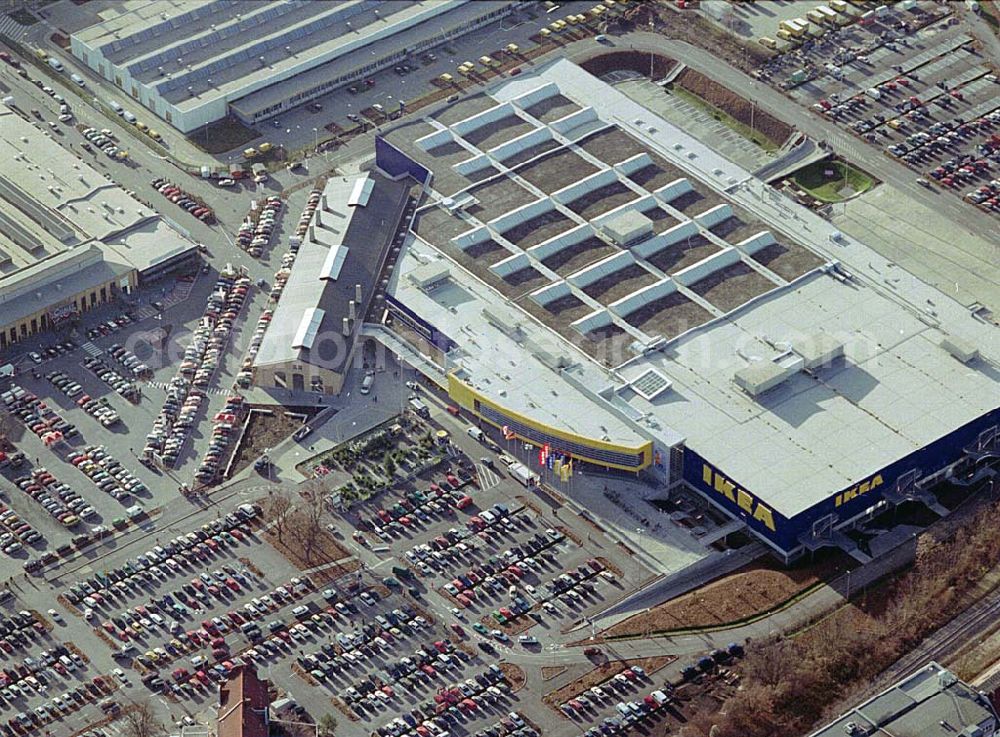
91,350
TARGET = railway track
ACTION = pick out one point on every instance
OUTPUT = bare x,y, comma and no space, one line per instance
946,640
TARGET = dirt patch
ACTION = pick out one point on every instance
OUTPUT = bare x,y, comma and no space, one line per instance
466,108
514,675
600,201
733,104
649,65
552,671
496,197
669,316
683,254
696,202
529,153
552,108
438,227
612,146
652,177
538,229
497,132
787,260
736,228
527,279
557,170
323,551
662,220
577,256
752,589
265,431
731,287
620,283
488,252
603,672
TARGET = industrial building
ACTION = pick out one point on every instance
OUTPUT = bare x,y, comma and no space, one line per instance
70,238
310,339
591,278
194,63
932,702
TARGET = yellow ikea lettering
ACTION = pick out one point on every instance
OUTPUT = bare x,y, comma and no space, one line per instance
741,497
744,500
863,488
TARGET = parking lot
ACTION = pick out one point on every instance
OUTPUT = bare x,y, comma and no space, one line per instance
913,83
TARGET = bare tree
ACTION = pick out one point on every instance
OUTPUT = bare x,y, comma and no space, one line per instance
10,429
310,521
139,719
327,725
276,511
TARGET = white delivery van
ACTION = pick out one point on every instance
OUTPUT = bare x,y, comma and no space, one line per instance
55,64
77,79
367,383
475,433
128,116
116,106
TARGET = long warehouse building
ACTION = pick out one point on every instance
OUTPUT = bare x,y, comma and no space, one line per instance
70,238
193,63
593,279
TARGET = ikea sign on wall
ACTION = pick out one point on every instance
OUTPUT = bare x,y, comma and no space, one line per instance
846,503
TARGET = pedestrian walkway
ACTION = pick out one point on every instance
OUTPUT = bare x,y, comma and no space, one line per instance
488,478
91,350
144,313
164,386
10,28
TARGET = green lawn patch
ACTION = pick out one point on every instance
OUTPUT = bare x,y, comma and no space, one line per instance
846,181
726,119
222,136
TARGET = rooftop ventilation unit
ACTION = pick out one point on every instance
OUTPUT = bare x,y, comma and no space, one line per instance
761,376
305,335
333,263
960,348
361,192
429,276
818,349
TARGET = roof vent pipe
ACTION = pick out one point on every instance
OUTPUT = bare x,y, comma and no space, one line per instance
357,293
346,327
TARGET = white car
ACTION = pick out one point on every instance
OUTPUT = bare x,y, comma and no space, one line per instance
55,615
35,356
227,182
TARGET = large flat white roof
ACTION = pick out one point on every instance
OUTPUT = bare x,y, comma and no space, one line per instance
503,353
894,390
52,193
